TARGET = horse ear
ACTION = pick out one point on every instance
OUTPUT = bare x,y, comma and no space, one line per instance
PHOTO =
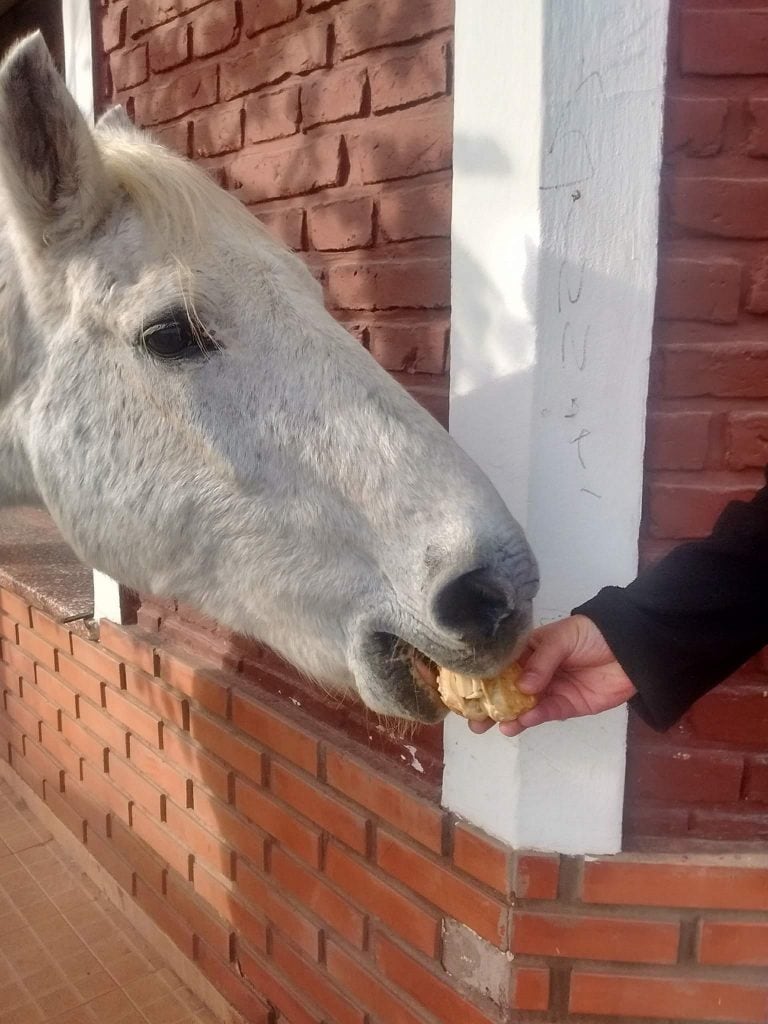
50,167
115,121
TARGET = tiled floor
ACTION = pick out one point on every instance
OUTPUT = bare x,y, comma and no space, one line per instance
66,954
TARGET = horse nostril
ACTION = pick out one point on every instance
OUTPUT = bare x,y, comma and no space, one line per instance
473,605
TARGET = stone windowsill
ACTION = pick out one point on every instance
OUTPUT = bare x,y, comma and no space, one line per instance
37,564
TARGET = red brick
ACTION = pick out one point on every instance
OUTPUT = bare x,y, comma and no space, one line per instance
390,284
757,141
757,298
684,884
196,763
729,370
694,125
98,661
756,779
595,938
203,842
275,731
277,820
410,347
56,801
15,607
397,909
723,42
274,988
699,289
36,701
737,717
677,439
530,988
132,782
19,713
100,796
257,888
267,13
182,897
312,892
286,225
629,995
738,823
215,29
146,14
333,96
182,94
83,741
701,776
20,663
60,750
410,78
136,719
353,978
8,628
107,856
42,764
407,812
237,831
113,27
175,137
161,840
327,811
227,744
724,207
484,858
688,508
367,24
160,700
317,987
155,767
272,115
209,687
426,988
81,679
147,864
34,645
169,47
342,224
297,53
741,943
402,145
129,644
54,632
416,211
168,920
444,889
220,131
746,440
302,167
129,67
220,895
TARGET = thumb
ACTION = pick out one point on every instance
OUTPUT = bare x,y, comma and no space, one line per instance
550,646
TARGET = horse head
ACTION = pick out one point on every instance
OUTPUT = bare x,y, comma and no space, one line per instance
198,425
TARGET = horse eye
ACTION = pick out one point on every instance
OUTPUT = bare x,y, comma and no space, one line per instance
175,338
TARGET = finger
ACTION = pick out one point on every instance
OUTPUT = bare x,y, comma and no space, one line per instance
552,708
511,728
551,645
481,727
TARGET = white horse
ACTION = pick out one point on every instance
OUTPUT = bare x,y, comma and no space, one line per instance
174,392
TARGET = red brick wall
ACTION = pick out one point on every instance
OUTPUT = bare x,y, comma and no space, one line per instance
708,419
332,119
309,886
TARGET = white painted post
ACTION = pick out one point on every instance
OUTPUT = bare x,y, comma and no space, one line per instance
78,72
550,354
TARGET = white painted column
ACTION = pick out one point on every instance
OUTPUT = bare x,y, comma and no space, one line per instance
557,159
78,72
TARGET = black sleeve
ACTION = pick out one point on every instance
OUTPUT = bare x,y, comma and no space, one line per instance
694,617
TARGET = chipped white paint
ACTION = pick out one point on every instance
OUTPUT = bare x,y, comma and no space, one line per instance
558,132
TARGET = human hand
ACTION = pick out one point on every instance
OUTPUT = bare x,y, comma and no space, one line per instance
573,669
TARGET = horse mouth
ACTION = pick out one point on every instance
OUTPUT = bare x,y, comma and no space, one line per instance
409,676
